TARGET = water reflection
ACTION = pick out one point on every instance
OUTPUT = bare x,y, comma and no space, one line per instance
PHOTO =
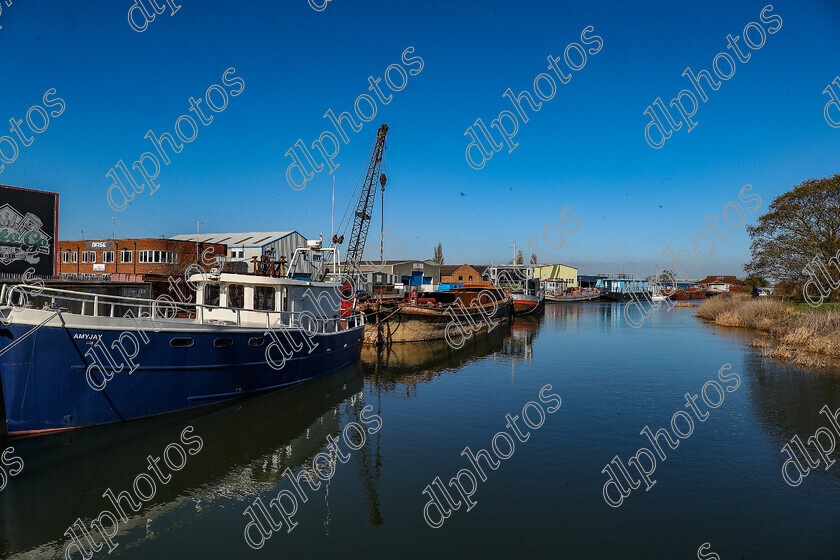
247,446
409,364
568,315
787,399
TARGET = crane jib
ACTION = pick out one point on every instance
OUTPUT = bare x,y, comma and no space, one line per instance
367,199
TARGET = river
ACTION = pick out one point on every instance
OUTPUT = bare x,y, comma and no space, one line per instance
721,485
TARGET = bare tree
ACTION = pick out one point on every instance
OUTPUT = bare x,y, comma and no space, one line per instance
533,258
438,258
800,225
520,258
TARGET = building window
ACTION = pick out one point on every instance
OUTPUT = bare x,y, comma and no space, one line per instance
460,278
107,256
470,277
125,256
65,257
92,256
84,256
74,257
264,298
236,296
64,275
156,257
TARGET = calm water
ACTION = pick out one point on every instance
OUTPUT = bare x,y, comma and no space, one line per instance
722,485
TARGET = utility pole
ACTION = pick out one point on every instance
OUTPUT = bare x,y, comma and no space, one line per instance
114,228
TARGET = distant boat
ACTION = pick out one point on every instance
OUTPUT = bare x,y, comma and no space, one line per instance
658,294
530,300
689,292
527,304
63,364
623,288
557,291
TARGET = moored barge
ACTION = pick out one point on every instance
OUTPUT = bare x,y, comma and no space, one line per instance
437,315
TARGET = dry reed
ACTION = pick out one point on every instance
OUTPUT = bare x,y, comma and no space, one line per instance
791,335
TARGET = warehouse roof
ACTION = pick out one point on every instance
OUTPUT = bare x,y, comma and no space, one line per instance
248,239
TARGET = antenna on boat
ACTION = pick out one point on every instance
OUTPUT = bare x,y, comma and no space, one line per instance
332,213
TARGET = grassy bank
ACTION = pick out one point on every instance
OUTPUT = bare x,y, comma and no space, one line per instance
795,333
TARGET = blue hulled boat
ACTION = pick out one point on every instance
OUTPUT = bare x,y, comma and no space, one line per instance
73,359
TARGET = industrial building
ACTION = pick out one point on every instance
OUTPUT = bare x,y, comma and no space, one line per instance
99,259
408,272
243,246
563,272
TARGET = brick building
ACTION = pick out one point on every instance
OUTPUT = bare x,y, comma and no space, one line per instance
97,259
463,274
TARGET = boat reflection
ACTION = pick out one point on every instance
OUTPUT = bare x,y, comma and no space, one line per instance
246,448
406,366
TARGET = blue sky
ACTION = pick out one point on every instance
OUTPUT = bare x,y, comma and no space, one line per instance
585,147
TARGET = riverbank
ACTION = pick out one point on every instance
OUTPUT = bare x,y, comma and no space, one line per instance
808,337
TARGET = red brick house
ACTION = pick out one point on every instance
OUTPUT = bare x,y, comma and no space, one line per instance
463,274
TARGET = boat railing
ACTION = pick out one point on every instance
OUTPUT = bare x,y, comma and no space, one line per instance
103,305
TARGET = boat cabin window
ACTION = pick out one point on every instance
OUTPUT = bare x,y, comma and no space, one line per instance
211,294
264,298
236,296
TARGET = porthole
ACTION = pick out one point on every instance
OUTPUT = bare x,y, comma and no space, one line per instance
181,343
256,341
223,342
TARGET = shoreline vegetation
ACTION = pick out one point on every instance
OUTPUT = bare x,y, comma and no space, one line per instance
791,332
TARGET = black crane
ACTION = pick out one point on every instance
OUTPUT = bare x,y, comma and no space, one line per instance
364,207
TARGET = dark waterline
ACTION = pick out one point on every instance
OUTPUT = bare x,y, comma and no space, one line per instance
721,485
